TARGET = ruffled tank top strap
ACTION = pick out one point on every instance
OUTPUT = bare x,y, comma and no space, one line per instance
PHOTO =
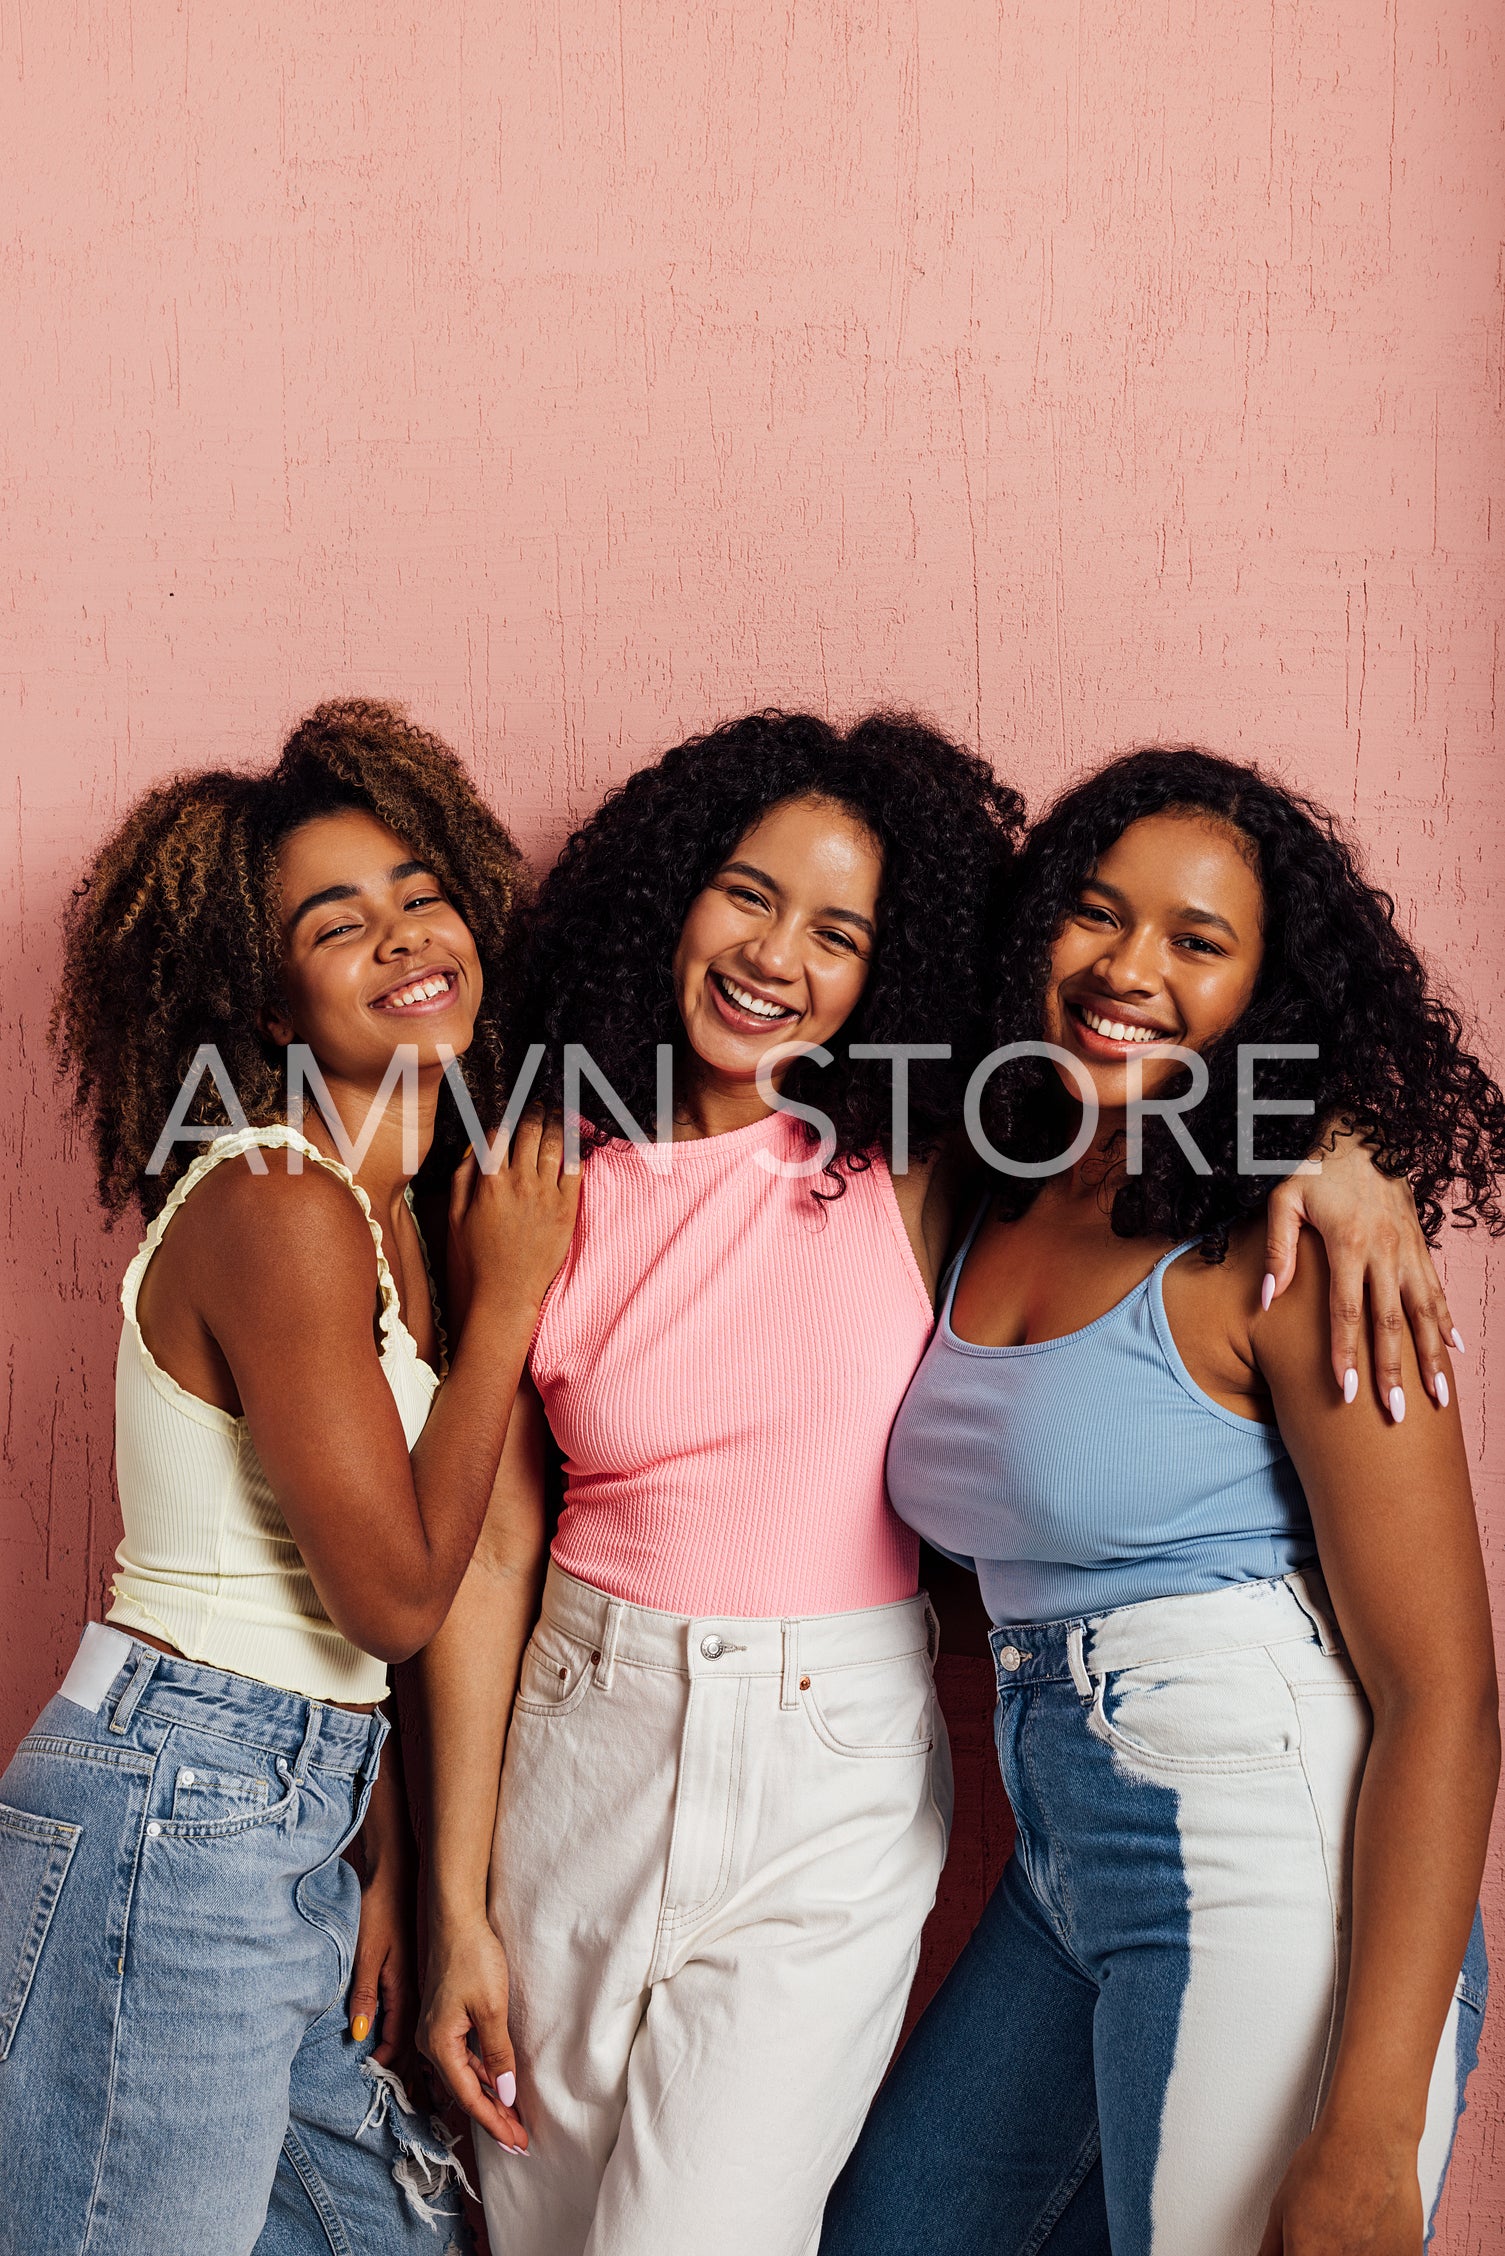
272,1135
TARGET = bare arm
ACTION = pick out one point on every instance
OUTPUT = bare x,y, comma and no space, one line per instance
1373,1241
1395,1528
287,1292
467,1677
384,1975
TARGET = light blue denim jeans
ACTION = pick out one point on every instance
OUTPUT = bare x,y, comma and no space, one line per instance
1140,2032
177,1929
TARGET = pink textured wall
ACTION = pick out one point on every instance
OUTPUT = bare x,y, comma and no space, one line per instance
582,373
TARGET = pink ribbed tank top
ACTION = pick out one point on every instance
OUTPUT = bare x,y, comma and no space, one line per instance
721,1358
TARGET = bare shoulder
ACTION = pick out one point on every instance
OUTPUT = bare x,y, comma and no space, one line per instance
287,1222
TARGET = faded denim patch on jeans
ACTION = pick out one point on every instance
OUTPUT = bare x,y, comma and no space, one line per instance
177,1929
1139,2034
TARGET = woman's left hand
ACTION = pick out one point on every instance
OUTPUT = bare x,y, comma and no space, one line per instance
384,1982
1367,1222
1348,2193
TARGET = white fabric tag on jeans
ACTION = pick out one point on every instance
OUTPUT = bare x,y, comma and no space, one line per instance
101,1655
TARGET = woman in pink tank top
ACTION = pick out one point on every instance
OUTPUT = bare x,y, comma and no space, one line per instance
726,1795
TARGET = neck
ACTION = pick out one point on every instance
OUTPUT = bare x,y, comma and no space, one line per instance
384,1167
1093,1179
714,1104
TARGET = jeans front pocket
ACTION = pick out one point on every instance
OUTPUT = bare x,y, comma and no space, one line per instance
873,1709
1219,1711
35,1853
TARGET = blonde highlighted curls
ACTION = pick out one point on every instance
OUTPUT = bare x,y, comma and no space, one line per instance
172,938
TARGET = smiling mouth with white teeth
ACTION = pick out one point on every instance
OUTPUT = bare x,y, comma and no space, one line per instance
418,992
1117,1029
755,1007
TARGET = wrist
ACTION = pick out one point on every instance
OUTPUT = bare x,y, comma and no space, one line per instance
1367,2115
455,1912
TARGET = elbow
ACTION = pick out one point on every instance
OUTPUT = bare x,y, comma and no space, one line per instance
393,1632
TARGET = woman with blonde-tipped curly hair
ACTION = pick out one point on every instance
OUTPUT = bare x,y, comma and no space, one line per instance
196,2037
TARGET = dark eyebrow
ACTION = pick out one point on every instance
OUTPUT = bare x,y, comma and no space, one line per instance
395,876
1186,915
829,916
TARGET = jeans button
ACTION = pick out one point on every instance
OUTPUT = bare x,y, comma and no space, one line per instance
1011,1657
712,1647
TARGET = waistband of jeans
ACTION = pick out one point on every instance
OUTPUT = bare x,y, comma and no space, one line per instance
163,1688
720,1645
1234,1618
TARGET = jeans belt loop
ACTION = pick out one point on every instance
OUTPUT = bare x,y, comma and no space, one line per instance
1303,1588
310,1743
606,1665
1075,1637
789,1691
141,1675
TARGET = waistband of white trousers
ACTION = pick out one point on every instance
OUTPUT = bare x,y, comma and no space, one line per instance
719,1645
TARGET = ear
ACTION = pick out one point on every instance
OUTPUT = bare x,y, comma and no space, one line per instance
275,1025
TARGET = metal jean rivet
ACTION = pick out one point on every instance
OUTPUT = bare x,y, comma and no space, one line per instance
153,1830
595,1660
1011,1656
712,1647
563,1674
186,1778
804,1683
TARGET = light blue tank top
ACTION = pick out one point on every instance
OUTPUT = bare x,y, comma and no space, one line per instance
1092,1471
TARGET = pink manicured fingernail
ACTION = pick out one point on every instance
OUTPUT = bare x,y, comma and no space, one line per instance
1443,1397
1458,1341
1398,1405
1350,1385
1267,1290
506,2088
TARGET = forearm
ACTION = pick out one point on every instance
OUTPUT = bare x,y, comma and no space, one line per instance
1420,1836
387,1835
456,1457
467,1677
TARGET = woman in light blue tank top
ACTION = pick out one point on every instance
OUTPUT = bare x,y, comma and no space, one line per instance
1226,1997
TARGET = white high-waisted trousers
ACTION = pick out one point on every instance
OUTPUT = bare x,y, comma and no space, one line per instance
717,1844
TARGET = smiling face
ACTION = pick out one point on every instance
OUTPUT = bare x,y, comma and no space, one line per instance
778,945
373,953
1164,946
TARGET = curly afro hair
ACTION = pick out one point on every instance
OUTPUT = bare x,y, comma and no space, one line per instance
1336,972
172,937
608,916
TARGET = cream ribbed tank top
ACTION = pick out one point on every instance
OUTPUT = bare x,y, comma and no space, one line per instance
208,1562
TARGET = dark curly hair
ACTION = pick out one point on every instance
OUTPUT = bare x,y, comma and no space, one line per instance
1335,972
599,965
172,938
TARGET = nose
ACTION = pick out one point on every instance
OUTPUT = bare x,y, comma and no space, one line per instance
774,951
404,936
1129,964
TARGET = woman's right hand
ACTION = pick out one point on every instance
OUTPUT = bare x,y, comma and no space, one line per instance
510,1230
462,2029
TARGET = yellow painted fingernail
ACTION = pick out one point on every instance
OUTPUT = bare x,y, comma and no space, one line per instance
360,2027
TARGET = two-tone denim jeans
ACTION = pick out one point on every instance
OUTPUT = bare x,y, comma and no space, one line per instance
1140,2032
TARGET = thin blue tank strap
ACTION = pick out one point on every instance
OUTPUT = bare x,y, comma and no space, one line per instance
959,1257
